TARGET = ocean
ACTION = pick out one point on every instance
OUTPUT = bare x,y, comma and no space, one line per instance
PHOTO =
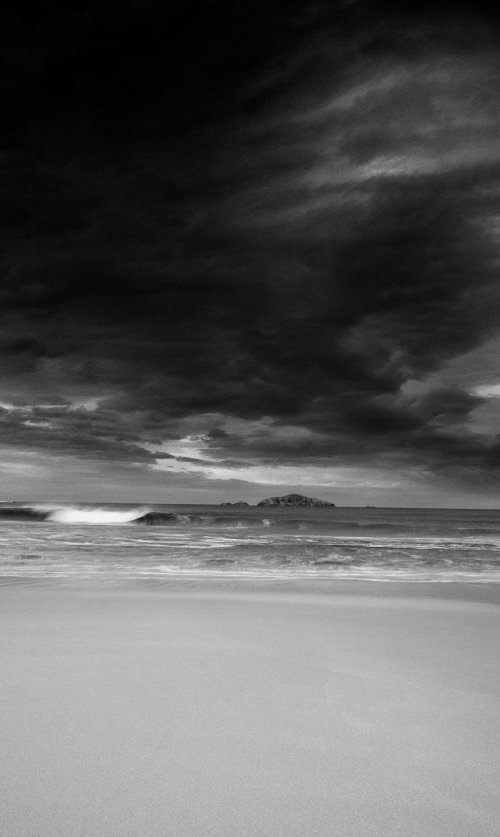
162,543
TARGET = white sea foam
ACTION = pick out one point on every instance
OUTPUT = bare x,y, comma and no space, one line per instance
94,516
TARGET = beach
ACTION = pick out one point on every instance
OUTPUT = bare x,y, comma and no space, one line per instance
346,708
250,419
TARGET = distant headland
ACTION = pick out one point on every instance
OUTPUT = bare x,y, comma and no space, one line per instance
296,500
285,500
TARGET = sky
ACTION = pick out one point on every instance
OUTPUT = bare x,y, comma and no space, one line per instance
250,248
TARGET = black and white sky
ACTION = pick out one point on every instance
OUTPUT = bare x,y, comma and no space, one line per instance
250,248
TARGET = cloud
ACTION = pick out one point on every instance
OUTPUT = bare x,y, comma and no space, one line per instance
250,257
283,475
488,390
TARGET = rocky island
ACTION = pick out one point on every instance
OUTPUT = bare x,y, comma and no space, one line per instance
238,504
296,500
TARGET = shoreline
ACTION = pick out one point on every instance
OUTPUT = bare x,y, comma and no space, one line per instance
205,586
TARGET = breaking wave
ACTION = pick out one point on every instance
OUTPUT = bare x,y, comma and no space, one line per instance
80,515
94,516
105,516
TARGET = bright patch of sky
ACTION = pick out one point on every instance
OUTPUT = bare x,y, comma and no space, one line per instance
307,476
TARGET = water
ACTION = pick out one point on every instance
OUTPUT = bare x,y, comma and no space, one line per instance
122,542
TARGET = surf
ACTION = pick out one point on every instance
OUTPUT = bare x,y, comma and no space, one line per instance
91,516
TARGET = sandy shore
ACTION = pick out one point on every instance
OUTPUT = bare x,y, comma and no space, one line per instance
368,710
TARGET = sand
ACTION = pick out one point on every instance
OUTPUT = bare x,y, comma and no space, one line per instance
368,709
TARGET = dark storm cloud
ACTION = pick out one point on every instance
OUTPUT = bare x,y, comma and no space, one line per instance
256,226
64,430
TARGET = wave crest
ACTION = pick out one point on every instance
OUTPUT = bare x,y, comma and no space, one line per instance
94,516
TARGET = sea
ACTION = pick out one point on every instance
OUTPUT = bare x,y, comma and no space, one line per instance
119,543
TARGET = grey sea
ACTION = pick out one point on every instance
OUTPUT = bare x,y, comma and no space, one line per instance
166,542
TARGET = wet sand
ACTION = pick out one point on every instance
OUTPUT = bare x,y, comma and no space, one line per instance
367,709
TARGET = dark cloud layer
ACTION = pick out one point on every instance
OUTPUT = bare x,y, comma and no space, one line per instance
266,230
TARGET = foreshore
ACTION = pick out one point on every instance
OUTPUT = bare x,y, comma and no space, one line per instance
355,708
